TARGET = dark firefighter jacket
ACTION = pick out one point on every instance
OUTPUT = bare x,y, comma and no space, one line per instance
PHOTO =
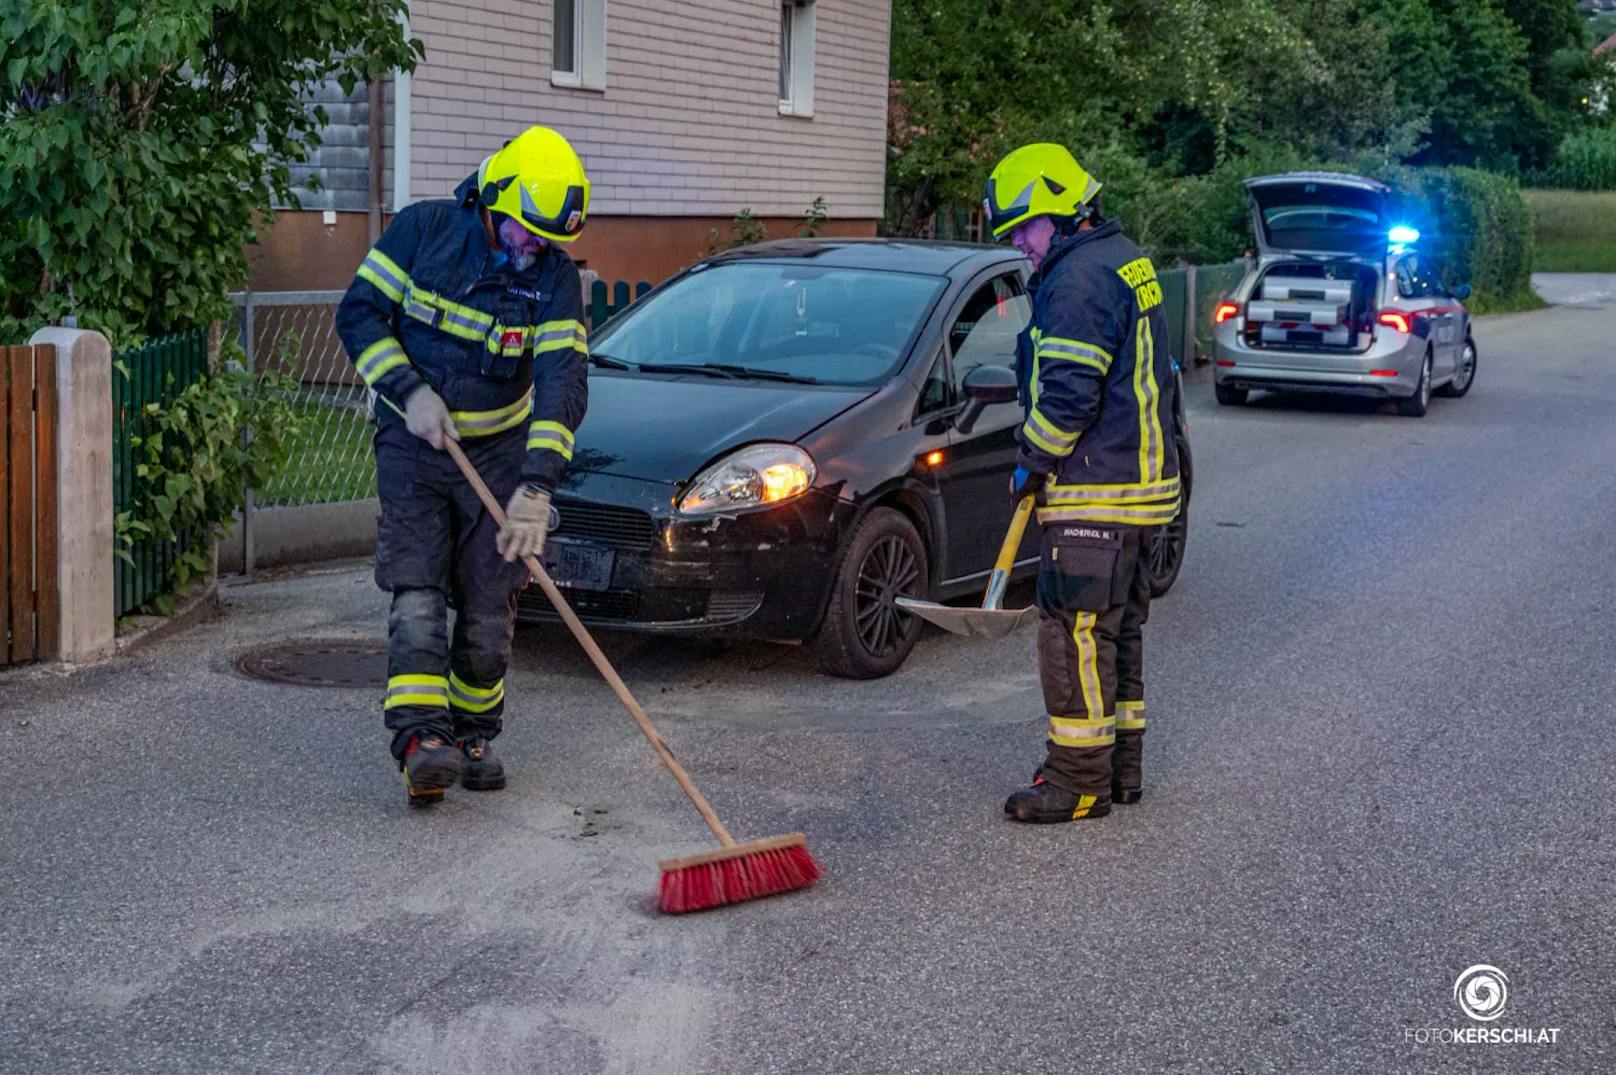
1097,383
433,304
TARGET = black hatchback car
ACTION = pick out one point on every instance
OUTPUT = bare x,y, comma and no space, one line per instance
783,439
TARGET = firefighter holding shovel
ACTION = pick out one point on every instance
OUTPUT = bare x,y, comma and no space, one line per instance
1097,453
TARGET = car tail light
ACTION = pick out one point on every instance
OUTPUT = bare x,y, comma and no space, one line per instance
1399,321
1224,311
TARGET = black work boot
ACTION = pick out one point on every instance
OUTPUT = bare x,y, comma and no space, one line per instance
1127,769
431,763
1046,803
480,771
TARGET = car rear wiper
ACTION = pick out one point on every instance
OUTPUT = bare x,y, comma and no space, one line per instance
607,362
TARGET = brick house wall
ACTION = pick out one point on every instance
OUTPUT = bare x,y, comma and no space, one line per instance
687,131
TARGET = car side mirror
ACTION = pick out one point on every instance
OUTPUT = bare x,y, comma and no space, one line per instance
985,386
1462,292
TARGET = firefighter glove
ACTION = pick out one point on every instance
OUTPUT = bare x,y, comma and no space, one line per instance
1025,483
527,523
427,417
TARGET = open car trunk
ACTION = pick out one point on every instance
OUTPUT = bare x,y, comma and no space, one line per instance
1323,240
1313,305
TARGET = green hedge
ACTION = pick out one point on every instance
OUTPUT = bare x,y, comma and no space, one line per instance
1482,229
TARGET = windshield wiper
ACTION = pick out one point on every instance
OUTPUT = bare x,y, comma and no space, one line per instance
607,362
703,368
760,374
729,370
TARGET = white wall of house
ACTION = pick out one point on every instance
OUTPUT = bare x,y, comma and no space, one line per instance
689,122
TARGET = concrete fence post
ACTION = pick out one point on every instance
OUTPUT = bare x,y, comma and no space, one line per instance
84,537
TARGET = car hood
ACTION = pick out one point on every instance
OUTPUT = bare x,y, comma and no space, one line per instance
664,429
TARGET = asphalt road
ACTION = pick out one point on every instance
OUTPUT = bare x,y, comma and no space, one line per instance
1380,752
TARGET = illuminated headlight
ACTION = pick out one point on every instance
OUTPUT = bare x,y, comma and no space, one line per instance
756,476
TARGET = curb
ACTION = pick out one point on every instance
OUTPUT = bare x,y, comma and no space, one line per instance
148,629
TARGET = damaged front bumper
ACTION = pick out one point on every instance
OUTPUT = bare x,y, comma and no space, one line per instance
762,574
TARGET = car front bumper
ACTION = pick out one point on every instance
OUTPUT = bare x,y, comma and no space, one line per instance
1390,367
762,574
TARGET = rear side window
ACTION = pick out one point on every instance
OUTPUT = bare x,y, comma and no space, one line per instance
1417,278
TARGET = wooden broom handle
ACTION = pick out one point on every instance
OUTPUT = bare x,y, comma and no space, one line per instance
602,665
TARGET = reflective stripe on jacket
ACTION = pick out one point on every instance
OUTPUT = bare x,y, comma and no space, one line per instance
1097,383
431,304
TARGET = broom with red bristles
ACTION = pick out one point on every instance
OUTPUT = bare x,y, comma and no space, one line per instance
732,873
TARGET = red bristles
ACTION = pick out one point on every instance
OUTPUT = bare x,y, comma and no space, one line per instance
740,874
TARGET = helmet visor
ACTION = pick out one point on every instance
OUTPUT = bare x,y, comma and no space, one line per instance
565,223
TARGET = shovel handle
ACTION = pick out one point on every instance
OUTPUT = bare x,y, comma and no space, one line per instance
602,665
1000,579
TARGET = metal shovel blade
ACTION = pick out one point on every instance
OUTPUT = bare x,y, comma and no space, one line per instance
970,622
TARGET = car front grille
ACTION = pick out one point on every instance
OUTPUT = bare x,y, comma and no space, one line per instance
608,524
597,605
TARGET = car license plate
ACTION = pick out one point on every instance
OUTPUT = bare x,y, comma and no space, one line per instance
577,566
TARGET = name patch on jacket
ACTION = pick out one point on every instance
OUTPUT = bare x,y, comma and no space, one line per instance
526,293
1086,535
1140,275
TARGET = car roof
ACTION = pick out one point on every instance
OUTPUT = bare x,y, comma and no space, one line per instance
934,257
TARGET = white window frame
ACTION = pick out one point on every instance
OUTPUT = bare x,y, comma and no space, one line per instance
797,58
588,48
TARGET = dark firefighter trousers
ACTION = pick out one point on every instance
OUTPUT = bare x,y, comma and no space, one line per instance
435,551
1093,598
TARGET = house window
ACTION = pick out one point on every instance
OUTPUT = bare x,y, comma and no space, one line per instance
797,57
578,47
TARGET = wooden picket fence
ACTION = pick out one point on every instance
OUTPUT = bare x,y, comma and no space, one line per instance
29,601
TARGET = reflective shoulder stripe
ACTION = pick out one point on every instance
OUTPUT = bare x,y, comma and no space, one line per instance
379,359
383,273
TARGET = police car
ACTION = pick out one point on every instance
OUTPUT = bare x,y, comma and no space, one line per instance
1342,299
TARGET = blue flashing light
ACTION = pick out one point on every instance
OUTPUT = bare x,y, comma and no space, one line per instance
1403,235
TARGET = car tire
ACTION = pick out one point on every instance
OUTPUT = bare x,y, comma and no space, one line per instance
1465,375
865,636
1415,406
1228,395
1164,552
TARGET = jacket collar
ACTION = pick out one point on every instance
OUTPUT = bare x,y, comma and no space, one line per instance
1065,244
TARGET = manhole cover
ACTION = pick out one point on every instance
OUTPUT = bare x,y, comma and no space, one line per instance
315,662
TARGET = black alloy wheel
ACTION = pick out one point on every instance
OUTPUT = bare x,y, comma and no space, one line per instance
865,635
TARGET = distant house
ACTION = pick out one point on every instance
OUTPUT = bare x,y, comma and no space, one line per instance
684,114
1608,45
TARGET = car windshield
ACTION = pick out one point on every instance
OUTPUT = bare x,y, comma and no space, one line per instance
811,322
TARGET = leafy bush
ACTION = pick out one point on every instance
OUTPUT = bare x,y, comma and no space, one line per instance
131,180
195,465
1482,230
1586,160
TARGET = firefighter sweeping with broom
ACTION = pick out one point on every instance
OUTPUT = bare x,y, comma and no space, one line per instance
1097,452
466,320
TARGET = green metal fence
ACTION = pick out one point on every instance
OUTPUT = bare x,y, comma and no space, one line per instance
607,302
156,372
1213,284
